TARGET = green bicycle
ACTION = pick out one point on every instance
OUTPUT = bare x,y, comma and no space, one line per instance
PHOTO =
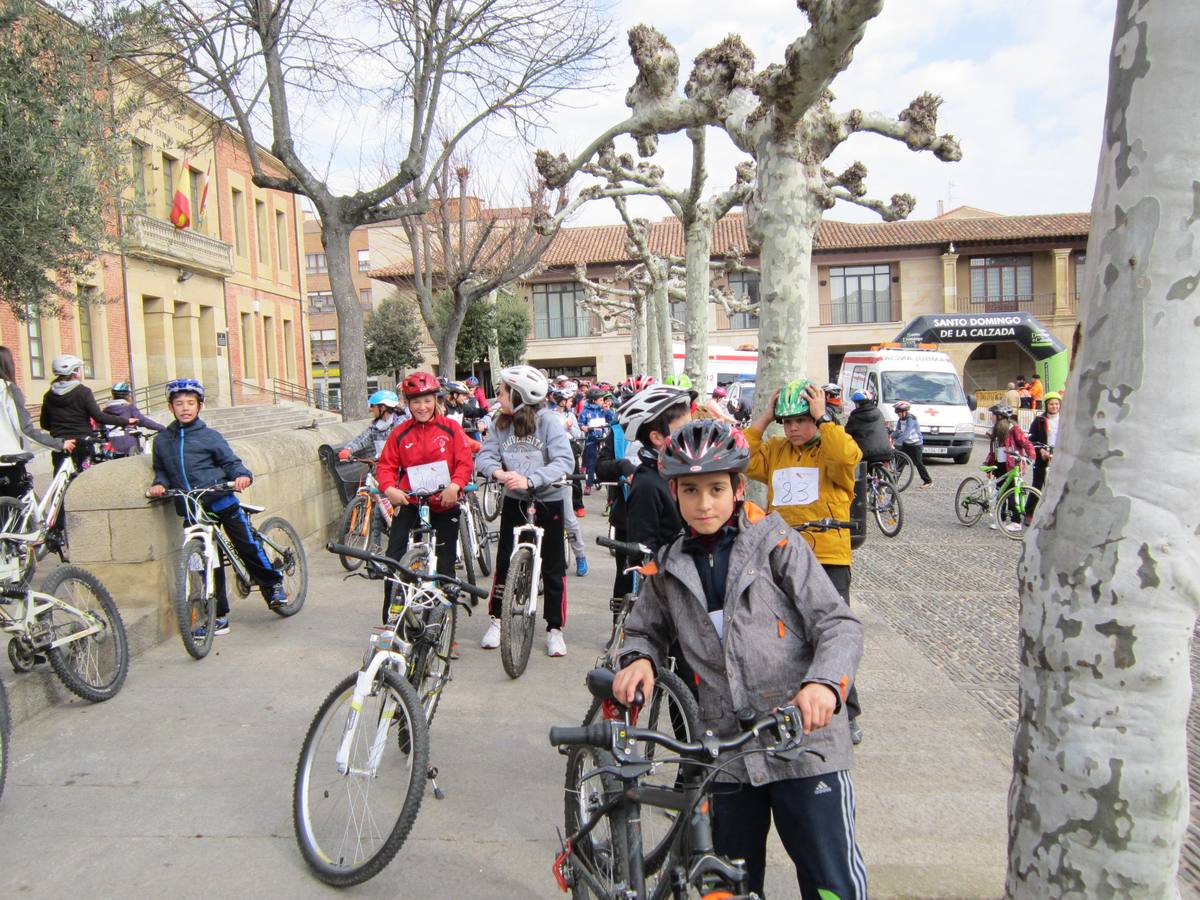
1009,499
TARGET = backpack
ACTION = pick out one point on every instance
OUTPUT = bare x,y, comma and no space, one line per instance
11,439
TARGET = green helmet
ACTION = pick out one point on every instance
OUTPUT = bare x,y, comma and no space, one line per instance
792,401
681,381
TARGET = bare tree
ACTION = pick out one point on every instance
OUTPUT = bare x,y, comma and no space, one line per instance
1109,593
619,306
419,68
784,118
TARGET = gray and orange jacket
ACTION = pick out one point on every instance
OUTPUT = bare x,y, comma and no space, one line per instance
784,626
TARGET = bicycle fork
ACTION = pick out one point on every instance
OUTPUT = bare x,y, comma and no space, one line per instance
362,688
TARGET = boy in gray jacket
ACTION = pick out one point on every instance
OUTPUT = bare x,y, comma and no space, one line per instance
761,625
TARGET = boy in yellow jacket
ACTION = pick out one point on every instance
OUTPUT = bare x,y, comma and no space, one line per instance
809,474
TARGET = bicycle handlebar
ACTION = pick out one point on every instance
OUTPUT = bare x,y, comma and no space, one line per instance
626,548
379,559
196,492
824,525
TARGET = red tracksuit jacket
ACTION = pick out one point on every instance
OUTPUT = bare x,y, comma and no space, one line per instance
412,443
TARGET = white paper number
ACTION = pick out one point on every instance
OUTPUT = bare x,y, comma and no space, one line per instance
428,478
797,486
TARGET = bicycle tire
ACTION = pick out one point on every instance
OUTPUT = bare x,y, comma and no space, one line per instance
290,559
605,849
970,500
194,608
466,547
355,529
432,667
901,470
887,508
1003,521
483,538
329,863
684,714
77,664
14,520
5,730
491,501
516,628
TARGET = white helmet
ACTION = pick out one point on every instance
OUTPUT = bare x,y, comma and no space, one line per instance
528,383
66,364
648,404
570,386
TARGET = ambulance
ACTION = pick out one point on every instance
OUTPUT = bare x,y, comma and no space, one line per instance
927,379
726,365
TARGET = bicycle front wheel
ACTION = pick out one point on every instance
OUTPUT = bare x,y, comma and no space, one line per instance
92,667
889,514
195,605
490,500
1013,511
466,546
970,500
603,849
431,665
286,553
483,539
18,554
349,826
5,720
516,627
901,470
355,529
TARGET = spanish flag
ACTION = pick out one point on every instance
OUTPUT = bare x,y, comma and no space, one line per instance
181,206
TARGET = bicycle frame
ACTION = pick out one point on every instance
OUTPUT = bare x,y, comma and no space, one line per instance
530,535
35,603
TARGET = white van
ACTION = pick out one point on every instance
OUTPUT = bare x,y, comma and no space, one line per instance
725,365
925,378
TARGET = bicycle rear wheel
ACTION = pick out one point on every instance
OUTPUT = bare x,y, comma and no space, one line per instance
516,628
901,470
92,667
195,605
490,500
350,826
5,720
431,666
889,514
466,547
1012,511
286,553
483,538
355,529
14,520
970,500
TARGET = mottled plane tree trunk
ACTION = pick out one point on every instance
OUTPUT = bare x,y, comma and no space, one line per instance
783,117
1109,594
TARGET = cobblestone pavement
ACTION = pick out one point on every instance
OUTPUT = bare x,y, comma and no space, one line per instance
964,618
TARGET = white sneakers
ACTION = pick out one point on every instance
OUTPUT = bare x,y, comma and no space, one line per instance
555,645
1013,526
491,637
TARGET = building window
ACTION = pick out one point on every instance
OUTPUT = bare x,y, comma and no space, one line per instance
557,313
320,301
239,222
196,190
364,260
37,363
139,177
260,232
1001,281
745,288
364,298
249,370
87,296
1080,271
315,263
281,240
860,294
269,344
324,344
169,169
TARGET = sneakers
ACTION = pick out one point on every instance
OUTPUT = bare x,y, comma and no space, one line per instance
587,490
491,637
580,513
856,733
992,525
555,645
277,597
581,566
221,625
927,484
1013,526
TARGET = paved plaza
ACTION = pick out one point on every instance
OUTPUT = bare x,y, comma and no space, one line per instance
182,785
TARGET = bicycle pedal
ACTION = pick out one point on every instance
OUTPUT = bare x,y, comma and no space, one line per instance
431,774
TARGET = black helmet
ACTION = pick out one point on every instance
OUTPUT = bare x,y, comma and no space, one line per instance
1002,411
703,446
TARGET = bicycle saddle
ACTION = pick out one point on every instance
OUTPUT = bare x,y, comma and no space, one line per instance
251,508
600,683
12,459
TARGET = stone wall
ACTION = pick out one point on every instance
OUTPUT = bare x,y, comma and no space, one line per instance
133,545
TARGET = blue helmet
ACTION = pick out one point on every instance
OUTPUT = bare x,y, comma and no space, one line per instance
121,389
384,398
184,386
858,396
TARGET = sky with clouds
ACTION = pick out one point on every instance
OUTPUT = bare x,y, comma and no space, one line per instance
1023,84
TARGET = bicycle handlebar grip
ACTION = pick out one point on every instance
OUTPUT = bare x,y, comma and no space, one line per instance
481,593
595,735
343,550
625,548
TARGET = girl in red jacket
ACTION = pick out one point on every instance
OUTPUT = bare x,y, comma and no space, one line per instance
426,452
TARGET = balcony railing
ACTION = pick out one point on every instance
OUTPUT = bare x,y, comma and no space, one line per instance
549,328
1035,304
161,241
866,313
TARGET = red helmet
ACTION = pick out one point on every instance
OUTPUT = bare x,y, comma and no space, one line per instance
418,384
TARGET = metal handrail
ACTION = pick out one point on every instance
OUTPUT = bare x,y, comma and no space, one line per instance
281,390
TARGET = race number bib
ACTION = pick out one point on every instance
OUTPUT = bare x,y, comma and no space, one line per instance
428,478
598,423
797,486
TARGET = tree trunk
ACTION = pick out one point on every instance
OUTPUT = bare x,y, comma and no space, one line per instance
637,330
1109,594
698,253
352,353
784,218
494,346
651,337
447,343
660,301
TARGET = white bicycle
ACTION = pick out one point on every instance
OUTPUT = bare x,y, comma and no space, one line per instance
206,548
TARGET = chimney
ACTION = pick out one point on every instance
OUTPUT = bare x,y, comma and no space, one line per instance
941,209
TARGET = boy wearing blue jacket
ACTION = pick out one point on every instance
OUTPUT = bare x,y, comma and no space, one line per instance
189,455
